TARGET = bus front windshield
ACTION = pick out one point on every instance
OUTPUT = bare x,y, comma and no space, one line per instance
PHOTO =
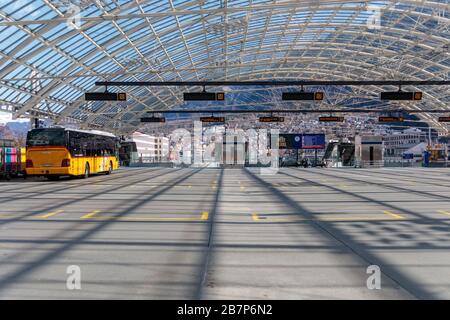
42,137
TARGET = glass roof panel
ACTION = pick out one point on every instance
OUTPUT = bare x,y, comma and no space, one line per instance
67,45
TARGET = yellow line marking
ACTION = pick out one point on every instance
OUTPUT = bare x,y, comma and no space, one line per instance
354,218
280,220
203,217
396,216
255,217
153,219
90,215
51,214
444,212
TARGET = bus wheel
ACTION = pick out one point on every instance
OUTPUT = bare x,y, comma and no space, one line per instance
87,171
110,168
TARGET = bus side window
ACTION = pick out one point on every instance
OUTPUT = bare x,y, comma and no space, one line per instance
93,146
111,146
101,146
90,152
75,144
84,143
107,146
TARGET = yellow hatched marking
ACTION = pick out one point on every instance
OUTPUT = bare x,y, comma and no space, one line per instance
444,212
51,214
90,215
205,215
396,216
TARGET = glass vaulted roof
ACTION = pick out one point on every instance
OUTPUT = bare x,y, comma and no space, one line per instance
52,51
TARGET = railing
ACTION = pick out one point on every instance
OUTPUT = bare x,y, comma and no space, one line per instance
151,162
369,163
403,163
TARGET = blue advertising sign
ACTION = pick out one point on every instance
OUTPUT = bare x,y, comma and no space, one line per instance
302,141
313,141
290,141
297,141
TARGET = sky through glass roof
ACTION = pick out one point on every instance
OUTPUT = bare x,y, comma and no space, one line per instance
52,51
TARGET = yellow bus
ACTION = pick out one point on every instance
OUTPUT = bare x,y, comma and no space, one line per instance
55,152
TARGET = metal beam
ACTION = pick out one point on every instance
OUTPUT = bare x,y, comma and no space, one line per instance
355,110
274,83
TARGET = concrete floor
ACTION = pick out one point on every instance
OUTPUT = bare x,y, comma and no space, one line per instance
163,233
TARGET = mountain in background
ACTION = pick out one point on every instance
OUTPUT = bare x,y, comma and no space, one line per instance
16,131
18,127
